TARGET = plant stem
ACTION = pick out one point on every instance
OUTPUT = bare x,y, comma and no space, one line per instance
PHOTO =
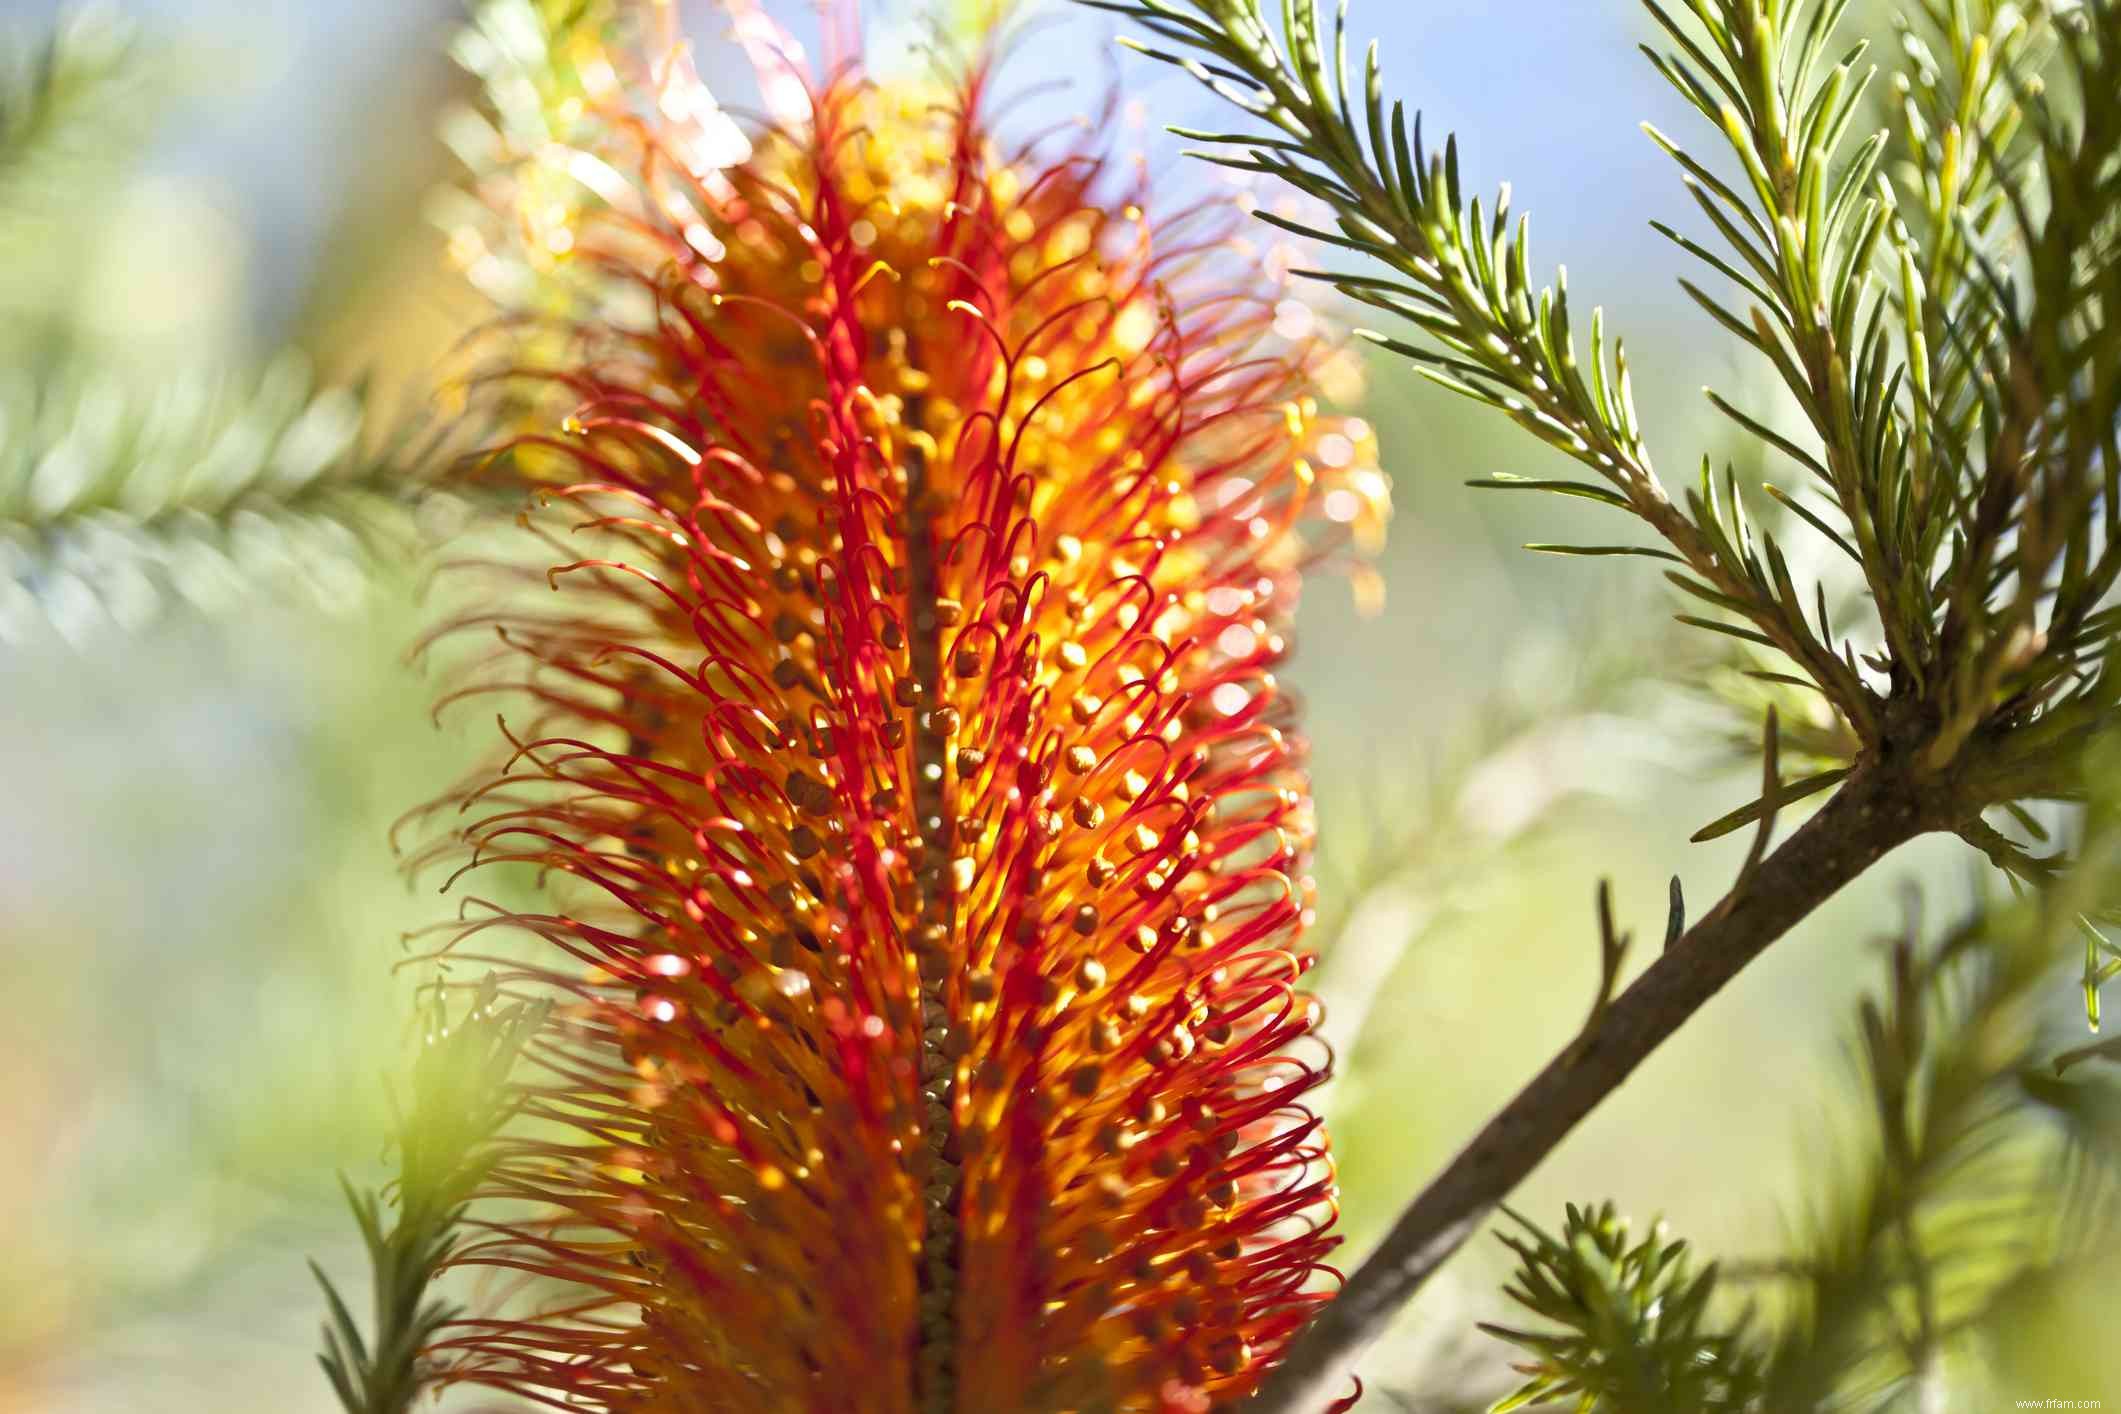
1874,812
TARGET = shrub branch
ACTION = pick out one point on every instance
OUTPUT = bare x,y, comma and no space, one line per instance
1873,814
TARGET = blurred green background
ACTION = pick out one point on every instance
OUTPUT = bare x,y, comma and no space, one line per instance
198,906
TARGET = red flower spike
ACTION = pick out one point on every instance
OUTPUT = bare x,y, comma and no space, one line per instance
901,754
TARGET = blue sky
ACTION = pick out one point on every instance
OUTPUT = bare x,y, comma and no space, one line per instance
291,91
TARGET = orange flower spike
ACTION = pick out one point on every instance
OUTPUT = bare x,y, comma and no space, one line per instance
923,823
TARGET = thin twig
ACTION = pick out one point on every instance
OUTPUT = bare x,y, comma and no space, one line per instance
1612,956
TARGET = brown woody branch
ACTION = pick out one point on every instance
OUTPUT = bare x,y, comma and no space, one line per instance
1881,806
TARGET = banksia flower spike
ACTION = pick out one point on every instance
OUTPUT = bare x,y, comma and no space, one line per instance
920,829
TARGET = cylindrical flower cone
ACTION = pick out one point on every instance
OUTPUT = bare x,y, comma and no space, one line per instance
921,828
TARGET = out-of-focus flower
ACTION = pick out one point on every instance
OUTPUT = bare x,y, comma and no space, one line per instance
922,824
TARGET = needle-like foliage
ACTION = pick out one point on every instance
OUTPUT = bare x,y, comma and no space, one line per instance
115,500
1968,1174
1977,1165
1933,301
1634,1330
445,1151
119,492
1941,326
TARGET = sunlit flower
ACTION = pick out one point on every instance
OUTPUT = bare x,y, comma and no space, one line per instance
921,825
